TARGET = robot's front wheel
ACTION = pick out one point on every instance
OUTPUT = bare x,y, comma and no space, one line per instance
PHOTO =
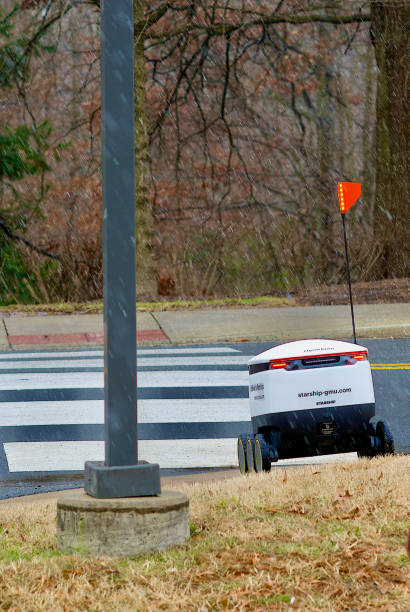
261,454
250,452
380,441
385,437
243,463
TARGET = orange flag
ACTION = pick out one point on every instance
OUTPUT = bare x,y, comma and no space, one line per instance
348,194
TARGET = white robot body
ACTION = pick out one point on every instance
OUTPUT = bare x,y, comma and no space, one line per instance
318,394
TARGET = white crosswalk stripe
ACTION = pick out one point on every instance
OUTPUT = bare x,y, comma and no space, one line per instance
168,453
95,380
203,350
149,411
141,362
203,453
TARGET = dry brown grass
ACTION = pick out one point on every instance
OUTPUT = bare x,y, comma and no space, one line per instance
316,538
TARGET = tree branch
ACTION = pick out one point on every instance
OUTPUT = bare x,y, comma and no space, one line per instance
151,18
33,247
222,29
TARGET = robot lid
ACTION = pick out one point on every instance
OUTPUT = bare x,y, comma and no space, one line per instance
303,349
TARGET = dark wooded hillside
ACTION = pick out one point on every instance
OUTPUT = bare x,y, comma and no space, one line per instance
247,116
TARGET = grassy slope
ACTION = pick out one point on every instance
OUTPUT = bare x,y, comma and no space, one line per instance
97,307
316,538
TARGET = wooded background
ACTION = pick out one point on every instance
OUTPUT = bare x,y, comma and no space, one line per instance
247,115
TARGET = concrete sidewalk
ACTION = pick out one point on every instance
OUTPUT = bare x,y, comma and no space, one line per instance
278,324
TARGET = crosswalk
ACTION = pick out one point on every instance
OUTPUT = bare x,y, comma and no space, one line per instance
192,404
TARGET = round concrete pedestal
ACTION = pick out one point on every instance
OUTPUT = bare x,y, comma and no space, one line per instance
121,527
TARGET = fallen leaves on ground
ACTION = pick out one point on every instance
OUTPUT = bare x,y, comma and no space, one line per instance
333,539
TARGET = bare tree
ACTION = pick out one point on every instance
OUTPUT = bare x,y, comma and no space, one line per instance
250,114
207,58
146,276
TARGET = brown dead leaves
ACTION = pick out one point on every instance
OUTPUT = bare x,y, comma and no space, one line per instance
294,537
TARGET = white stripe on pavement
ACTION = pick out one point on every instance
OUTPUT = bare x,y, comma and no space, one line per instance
84,412
27,414
141,362
95,380
199,349
63,456
52,363
99,353
49,355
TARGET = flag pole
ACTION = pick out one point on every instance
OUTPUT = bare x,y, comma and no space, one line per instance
348,278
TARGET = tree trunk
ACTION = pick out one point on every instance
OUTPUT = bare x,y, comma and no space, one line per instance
146,279
368,138
325,133
390,23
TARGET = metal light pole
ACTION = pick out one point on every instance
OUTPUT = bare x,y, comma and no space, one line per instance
121,475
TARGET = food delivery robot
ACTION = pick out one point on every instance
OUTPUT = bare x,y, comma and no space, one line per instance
313,397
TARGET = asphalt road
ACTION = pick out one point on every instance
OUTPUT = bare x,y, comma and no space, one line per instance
192,405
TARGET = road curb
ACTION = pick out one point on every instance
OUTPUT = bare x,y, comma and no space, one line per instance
212,326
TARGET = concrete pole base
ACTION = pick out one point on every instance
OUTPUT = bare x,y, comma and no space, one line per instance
121,527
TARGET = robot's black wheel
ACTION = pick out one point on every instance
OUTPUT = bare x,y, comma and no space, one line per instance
385,436
243,464
261,455
250,452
